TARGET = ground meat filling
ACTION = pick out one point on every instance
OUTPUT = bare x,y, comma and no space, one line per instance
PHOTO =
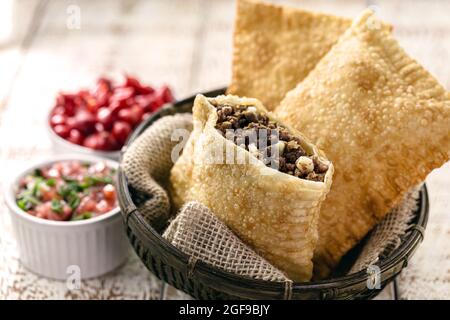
246,123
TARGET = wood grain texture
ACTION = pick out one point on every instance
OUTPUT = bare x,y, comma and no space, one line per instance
186,43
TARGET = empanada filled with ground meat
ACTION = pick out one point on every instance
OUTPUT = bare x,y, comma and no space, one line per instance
266,181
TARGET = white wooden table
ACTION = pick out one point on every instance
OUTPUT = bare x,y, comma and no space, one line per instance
187,44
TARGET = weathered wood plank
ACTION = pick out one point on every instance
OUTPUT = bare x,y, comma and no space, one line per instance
139,37
186,43
15,43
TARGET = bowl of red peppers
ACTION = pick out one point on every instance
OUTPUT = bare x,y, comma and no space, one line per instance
99,120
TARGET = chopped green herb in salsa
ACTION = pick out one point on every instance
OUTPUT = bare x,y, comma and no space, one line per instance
68,191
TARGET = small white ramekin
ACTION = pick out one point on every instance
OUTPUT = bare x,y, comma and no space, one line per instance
62,146
59,249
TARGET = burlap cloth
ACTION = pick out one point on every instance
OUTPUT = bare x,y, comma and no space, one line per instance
198,233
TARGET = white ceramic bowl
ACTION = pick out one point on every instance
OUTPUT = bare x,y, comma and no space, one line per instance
63,146
59,249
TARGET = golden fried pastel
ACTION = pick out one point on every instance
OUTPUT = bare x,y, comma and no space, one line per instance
275,47
383,121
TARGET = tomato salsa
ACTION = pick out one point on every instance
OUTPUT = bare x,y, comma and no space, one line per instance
68,191
103,118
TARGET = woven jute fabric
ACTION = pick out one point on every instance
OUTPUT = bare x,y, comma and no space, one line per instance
388,233
147,163
200,234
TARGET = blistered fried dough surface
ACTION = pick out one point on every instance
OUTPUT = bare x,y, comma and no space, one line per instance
275,47
381,118
273,212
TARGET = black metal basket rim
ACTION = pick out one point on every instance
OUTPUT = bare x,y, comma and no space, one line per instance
394,263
